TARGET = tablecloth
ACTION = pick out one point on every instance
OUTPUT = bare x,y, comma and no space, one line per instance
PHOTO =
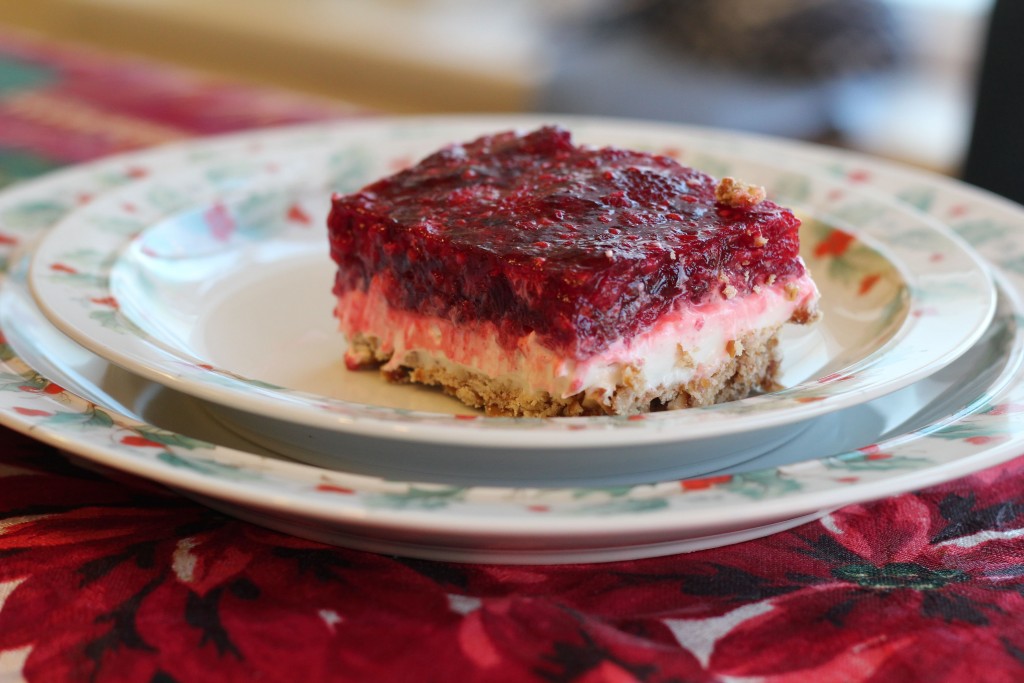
104,577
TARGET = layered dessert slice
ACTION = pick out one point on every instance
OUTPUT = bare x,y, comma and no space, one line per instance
526,275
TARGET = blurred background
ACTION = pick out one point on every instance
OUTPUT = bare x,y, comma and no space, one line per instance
895,78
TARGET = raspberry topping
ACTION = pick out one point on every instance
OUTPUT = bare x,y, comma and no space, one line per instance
579,245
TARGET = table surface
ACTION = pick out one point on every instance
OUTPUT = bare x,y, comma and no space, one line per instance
110,578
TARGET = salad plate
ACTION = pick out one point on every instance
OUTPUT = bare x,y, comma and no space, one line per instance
558,524
215,282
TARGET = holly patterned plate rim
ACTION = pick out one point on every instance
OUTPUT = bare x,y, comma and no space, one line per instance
991,433
951,296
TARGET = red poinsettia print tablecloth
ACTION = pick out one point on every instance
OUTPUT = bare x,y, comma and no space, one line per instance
108,578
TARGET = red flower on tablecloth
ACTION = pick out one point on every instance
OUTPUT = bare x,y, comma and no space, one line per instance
882,591
140,585
173,594
887,591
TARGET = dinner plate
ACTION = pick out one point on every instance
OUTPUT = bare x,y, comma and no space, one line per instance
215,282
529,524
57,357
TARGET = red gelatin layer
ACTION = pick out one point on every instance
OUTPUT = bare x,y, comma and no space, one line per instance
579,245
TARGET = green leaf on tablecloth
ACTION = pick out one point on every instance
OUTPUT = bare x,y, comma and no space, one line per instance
18,165
17,75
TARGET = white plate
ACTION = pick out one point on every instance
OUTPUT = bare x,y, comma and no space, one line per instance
535,525
215,282
58,358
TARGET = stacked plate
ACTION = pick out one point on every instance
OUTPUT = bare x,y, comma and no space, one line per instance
168,314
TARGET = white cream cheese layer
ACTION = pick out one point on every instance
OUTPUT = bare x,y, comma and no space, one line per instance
686,343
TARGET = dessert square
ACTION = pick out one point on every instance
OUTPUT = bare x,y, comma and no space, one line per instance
526,275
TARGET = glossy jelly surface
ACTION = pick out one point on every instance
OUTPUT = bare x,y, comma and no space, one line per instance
579,245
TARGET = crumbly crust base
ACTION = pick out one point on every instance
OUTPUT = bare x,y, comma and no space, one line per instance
752,365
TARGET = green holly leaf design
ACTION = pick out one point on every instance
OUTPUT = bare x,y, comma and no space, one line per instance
169,439
259,214
419,498
348,169
208,467
112,179
167,199
790,188
921,198
979,231
836,169
112,320
611,491
230,173
857,461
1014,265
121,226
623,505
857,215
970,430
17,383
92,418
760,485
87,258
914,238
203,154
34,215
